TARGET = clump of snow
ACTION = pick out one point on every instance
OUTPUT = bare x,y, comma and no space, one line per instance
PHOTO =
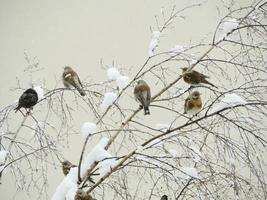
88,128
153,43
229,100
113,73
71,193
228,26
67,188
162,127
190,171
3,155
177,49
99,153
106,165
122,81
109,98
40,92
173,152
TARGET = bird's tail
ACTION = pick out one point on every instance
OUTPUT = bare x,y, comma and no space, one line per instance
207,82
146,109
81,91
17,108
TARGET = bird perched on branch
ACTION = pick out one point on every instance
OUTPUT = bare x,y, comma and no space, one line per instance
142,94
193,77
82,195
66,166
164,197
27,100
71,78
193,103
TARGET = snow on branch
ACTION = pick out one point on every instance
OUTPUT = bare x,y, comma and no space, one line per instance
115,75
88,128
109,98
40,92
153,43
68,187
3,156
228,101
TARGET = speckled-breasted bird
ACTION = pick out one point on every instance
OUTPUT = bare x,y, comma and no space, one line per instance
193,77
193,103
143,95
66,166
71,78
27,100
164,197
82,195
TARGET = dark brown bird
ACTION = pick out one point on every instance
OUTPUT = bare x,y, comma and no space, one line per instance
193,77
27,100
143,95
71,78
66,166
164,197
82,195
193,103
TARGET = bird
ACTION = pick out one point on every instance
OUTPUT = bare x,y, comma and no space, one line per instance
164,197
82,195
27,100
193,77
71,78
193,103
143,95
66,166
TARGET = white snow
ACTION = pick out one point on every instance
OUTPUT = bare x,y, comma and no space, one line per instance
67,184
88,128
177,49
153,43
40,92
71,193
67,188
173,152
190,171
99,153
3,155
113,73
229,100
109,98
227,26
122,81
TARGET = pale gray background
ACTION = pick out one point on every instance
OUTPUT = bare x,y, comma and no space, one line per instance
81,33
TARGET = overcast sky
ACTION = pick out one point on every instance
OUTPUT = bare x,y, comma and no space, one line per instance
82,33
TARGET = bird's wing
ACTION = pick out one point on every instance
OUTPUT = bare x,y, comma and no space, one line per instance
200,75
148,95
191,77
28,97
185,104
141,93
